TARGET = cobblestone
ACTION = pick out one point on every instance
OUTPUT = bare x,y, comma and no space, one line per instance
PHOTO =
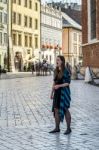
26,118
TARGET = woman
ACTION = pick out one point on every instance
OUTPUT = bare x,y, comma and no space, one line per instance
61,95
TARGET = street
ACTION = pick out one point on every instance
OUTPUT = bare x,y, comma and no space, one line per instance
26,117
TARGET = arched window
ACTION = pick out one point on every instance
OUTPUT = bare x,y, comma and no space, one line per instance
93,18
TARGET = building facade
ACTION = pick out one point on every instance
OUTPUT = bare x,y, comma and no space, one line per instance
51,33
3,33
72,41
25,31
90,28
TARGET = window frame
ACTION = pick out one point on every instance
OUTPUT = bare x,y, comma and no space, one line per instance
19,39
25,21
90,40
30,4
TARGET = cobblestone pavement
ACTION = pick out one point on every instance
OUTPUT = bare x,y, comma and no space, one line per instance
26,118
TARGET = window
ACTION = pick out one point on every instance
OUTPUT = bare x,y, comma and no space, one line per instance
25,21
36,6
5,18
26,40
0,17
14,1
30,41
30,4
46,57
19,40
80,38
14,18
25,3
93,19
19,2
75,49
80,51
5,38
75,36
14,39
28,51
0,38
5,1
50,58
36,24
30,22
36,42
19,19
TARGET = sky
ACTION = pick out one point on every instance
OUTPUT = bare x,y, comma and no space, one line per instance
78,1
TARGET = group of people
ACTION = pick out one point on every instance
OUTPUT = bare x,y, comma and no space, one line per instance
41,68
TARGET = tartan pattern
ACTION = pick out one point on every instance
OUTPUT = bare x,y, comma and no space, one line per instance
65,96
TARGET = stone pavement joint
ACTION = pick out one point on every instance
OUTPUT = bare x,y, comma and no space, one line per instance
26,117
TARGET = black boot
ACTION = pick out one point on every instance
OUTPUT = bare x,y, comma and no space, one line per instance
68,131
56,130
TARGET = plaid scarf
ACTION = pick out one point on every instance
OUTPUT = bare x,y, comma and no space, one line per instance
65,96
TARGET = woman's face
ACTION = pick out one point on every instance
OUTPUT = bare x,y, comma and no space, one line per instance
58,62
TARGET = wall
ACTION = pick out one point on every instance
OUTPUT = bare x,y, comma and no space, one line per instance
90,48
71,54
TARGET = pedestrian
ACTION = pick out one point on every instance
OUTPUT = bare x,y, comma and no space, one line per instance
0,71
69,68
74,73
88,75
24,67
32,66
61,95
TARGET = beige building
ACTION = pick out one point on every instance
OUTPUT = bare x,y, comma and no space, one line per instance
72,41
3,33
25,31
72,45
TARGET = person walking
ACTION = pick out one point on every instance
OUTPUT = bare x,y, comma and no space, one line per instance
61,95
69,68
32,67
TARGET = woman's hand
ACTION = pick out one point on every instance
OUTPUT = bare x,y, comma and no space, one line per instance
51,97
56,87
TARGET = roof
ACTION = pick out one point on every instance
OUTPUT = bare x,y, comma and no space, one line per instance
65,22
69,22
70,11
74,14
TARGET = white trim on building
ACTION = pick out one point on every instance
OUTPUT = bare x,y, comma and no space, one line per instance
51,33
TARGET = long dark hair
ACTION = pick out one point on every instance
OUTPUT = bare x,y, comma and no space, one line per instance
59,73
